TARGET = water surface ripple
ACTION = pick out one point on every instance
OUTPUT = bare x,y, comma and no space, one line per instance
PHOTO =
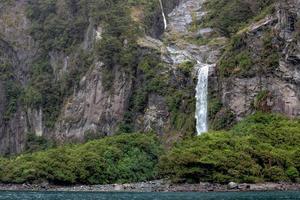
149,196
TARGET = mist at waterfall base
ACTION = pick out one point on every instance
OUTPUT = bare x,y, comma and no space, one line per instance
149,196
201,98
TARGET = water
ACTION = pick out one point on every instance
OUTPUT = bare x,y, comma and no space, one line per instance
201,98
163,14
149,196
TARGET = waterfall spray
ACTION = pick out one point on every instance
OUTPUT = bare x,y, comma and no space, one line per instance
201,98
163,14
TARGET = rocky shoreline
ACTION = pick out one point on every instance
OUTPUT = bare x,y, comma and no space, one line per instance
155,186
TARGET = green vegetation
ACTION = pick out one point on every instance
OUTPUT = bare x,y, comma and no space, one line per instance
270,53
57,30
264,147
118,159
60,26
153,78
36,143
8,80
240,60
214,106
12,96
62,32
148,68
219,116
230,19
223,119
186,67
181,103
239,63
260,102
230,16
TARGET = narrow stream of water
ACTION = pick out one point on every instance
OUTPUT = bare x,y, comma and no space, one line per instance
181,51
201,98
163,14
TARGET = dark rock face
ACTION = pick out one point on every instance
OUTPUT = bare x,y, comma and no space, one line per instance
13,135
11,130
156,116
281,82
17,51
157,28
93,109
170,5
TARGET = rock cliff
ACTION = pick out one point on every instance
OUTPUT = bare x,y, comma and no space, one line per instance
70,74
271,82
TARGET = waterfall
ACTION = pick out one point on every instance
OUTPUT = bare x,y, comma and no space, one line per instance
201,98
163,14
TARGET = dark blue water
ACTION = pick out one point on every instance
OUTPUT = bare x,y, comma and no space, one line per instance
149,196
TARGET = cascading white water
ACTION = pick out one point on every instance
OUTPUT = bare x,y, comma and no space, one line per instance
179,21
201,98
163,14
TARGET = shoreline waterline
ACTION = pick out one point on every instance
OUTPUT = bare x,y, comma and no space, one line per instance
153,186
286,195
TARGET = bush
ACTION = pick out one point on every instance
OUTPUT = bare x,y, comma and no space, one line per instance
60,26
118,159
241,60
37,143
229,16
260,102
275,174
292,173
260,148
186,67
223,119
214,106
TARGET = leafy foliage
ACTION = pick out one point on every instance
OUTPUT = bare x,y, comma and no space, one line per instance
229,16
60,26
118,159
241,60
36,143
8,81
260,148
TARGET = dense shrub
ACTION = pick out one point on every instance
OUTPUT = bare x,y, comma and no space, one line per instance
37,143
241,60
223,119
11,87
153,78
229,16
118,159
60,26
261,148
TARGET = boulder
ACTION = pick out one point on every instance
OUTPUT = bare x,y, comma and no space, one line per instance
232,186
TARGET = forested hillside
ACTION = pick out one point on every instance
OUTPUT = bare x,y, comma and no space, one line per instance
120,89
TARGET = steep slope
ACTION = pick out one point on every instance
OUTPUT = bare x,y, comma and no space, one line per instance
72,71
266,73
17,51
114,100
69,68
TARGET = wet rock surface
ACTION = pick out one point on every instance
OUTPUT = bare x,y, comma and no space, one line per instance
282,83
156,186
91,108
17,49
94,108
